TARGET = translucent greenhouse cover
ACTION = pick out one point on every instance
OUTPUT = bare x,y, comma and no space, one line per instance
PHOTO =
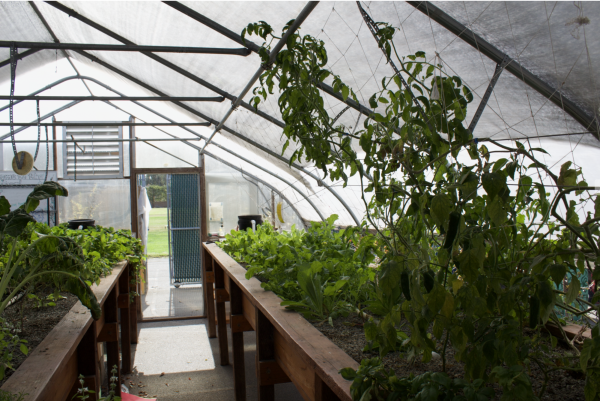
559,42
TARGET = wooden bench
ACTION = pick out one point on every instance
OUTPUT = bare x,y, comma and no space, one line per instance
288,348
51,371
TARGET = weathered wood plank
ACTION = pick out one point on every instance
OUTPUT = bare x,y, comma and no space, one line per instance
44,373
125,321
208,278
113,359
237,343
221,322
303,345
249,312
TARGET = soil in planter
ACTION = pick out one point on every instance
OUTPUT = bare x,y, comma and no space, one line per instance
37,323
347,333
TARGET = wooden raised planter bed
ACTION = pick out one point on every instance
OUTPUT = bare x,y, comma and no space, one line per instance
288,348
72,348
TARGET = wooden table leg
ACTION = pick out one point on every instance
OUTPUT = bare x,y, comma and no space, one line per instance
237,337
265,351
87,361
125,302
221,322
208,278
323,392
133,307
110,334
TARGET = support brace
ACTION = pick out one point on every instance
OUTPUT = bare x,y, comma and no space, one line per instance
499,68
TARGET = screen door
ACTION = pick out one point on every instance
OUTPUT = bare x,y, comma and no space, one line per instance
183,212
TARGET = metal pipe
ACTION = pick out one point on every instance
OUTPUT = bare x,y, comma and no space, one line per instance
125,48
553,94
297,22
116,98
137,139
488,92
34,123
259,180
19,56
74,14
100,124
185,141
197,113
255,48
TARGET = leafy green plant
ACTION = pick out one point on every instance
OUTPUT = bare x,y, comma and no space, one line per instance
9,343
83,393
8,396
317,272
372,381
46,255
473,242
48,300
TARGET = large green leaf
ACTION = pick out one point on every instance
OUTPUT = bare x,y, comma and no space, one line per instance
568,176
493,183
46,190
4,206
497,211
441,206
81,290
557,272
16,221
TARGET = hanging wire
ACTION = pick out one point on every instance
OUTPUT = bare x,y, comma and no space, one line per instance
37,147
13,71
47,154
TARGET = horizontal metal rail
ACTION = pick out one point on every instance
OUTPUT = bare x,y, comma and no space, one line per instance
136,139
125,48
184,228
116,98
124,124
184,72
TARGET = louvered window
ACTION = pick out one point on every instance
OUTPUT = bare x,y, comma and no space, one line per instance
91,160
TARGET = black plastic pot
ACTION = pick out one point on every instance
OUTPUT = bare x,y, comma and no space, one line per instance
74,224
245,222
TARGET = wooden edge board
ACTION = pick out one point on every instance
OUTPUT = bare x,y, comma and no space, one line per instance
315,349
43,368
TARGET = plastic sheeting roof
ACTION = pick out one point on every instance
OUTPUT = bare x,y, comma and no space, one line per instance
550,39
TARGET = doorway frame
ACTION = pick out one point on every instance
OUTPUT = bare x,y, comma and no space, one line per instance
134,193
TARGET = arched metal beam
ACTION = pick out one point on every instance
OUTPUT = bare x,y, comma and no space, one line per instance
291,185
362,109
492,52
257,179
74,14
197,113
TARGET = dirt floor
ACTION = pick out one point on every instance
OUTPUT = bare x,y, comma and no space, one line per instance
37,323
347,333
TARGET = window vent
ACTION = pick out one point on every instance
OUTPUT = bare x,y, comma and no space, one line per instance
92,160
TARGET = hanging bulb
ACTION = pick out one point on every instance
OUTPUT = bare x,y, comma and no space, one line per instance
435,94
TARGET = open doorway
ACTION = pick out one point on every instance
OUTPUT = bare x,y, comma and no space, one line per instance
173,284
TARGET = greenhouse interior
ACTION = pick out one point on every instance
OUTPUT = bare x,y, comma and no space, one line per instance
300,200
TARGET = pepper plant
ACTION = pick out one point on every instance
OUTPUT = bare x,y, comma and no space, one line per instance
473,237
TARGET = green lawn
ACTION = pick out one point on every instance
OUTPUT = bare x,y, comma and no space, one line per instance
158,243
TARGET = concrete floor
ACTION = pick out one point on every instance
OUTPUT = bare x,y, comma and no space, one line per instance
190,363
164,300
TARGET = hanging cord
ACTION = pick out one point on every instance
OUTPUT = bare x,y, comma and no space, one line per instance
37,147
74,162
75,146
13,73
47,155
